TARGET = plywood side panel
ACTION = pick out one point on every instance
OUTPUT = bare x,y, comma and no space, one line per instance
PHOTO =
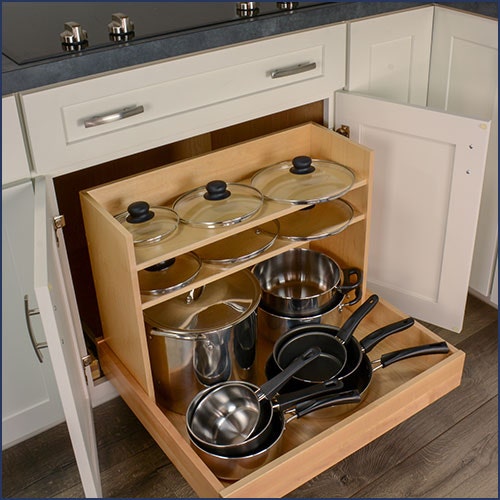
113,268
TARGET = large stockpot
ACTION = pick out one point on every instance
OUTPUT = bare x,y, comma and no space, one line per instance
203,337
302,282
234,468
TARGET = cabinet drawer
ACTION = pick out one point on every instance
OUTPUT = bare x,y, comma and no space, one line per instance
314,443
88,122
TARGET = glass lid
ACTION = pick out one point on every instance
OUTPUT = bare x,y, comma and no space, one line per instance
303,181
316,221
242,246
218,204
220,304
148,224
169,275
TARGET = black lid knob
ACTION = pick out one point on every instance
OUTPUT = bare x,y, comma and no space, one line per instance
161,266
139,212
216,190
302,165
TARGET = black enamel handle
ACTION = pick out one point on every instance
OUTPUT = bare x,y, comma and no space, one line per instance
216,190
270,388
412,352
340,398
370,341
139,212
289,399
347,329
302,165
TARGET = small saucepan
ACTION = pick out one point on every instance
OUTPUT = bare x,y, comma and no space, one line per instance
229,412
361,378
236,467
334,356
280,403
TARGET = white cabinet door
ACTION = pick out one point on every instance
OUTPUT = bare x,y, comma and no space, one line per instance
428,176
30,400
56,303
389,55
464,80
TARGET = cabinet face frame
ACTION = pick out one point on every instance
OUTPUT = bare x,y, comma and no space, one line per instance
123,350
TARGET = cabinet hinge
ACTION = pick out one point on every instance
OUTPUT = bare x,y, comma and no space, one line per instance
86,360
59,222
344,130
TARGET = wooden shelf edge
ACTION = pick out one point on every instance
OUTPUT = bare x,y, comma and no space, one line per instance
166,435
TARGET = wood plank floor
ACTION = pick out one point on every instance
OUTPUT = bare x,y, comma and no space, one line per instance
448,450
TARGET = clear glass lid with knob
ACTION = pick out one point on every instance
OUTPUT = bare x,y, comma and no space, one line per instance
303,180
148,224
218,204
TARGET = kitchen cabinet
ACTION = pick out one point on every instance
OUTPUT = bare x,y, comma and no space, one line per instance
424,267
60,144
123,349
464,80
30,400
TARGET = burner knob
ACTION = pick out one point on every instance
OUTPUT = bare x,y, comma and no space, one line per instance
74,34
120,25
287,5
247,9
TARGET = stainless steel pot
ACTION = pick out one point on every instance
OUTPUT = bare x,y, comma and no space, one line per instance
204,337
301,283
234,468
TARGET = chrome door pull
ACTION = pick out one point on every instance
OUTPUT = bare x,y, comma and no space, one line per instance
114,116
293,70
36,345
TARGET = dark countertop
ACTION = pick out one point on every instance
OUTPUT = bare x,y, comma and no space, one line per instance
16,78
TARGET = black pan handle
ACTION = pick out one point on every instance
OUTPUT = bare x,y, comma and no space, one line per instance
270,388
289,399
412,352
370,341
347,329
340,398
348,285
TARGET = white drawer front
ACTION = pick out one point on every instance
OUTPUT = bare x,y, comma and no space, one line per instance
80,124
15,165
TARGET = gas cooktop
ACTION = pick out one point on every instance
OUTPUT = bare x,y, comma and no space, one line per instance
36,31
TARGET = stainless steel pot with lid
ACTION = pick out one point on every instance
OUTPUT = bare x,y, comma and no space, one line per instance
218,204
303,181
148,224
204,337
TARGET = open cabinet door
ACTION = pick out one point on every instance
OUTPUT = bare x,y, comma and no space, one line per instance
57,314
428,177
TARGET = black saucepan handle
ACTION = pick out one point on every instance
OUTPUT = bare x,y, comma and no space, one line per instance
340,398
270,388
347,329
370,341
348,285
412,352
289,399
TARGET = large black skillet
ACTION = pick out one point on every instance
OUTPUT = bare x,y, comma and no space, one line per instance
361,378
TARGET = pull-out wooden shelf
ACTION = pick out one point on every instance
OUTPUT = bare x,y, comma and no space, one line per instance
316,442
311,444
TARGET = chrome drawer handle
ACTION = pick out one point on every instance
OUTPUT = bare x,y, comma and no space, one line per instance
114,116
293,70
36,345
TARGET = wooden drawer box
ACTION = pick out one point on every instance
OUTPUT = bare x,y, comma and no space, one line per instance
311,444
